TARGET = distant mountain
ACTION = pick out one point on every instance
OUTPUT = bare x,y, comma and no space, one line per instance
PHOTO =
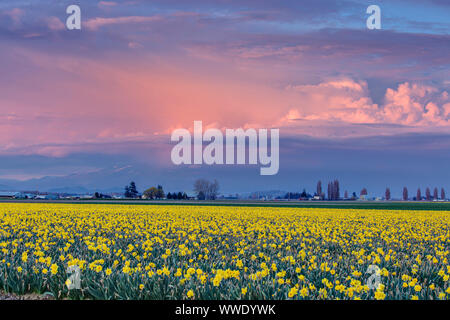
105,180
114,180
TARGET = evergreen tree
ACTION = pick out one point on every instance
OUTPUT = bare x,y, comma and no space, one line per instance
133,190
127,193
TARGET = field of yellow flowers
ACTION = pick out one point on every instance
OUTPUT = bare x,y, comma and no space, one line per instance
212,252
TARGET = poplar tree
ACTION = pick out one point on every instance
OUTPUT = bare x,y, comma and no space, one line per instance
435,194
405,193
388,194
319,188
428,194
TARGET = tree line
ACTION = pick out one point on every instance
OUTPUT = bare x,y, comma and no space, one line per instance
418,197
209,190
333,193
204,189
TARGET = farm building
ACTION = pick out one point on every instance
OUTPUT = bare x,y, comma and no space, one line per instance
8,194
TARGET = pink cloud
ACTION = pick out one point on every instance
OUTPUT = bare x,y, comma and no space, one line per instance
16,15
410,105
96,23
74,100
349,101
55,24
342,99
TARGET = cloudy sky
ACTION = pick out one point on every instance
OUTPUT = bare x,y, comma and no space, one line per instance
95,107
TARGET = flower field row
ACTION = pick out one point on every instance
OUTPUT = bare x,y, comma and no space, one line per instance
206,252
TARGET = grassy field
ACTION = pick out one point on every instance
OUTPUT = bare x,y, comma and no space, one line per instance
372,205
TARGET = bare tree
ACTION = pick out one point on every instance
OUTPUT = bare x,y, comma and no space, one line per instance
405,193
346,194
206,190
201,188
363,192
442,194
213,190
435,193
419,195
